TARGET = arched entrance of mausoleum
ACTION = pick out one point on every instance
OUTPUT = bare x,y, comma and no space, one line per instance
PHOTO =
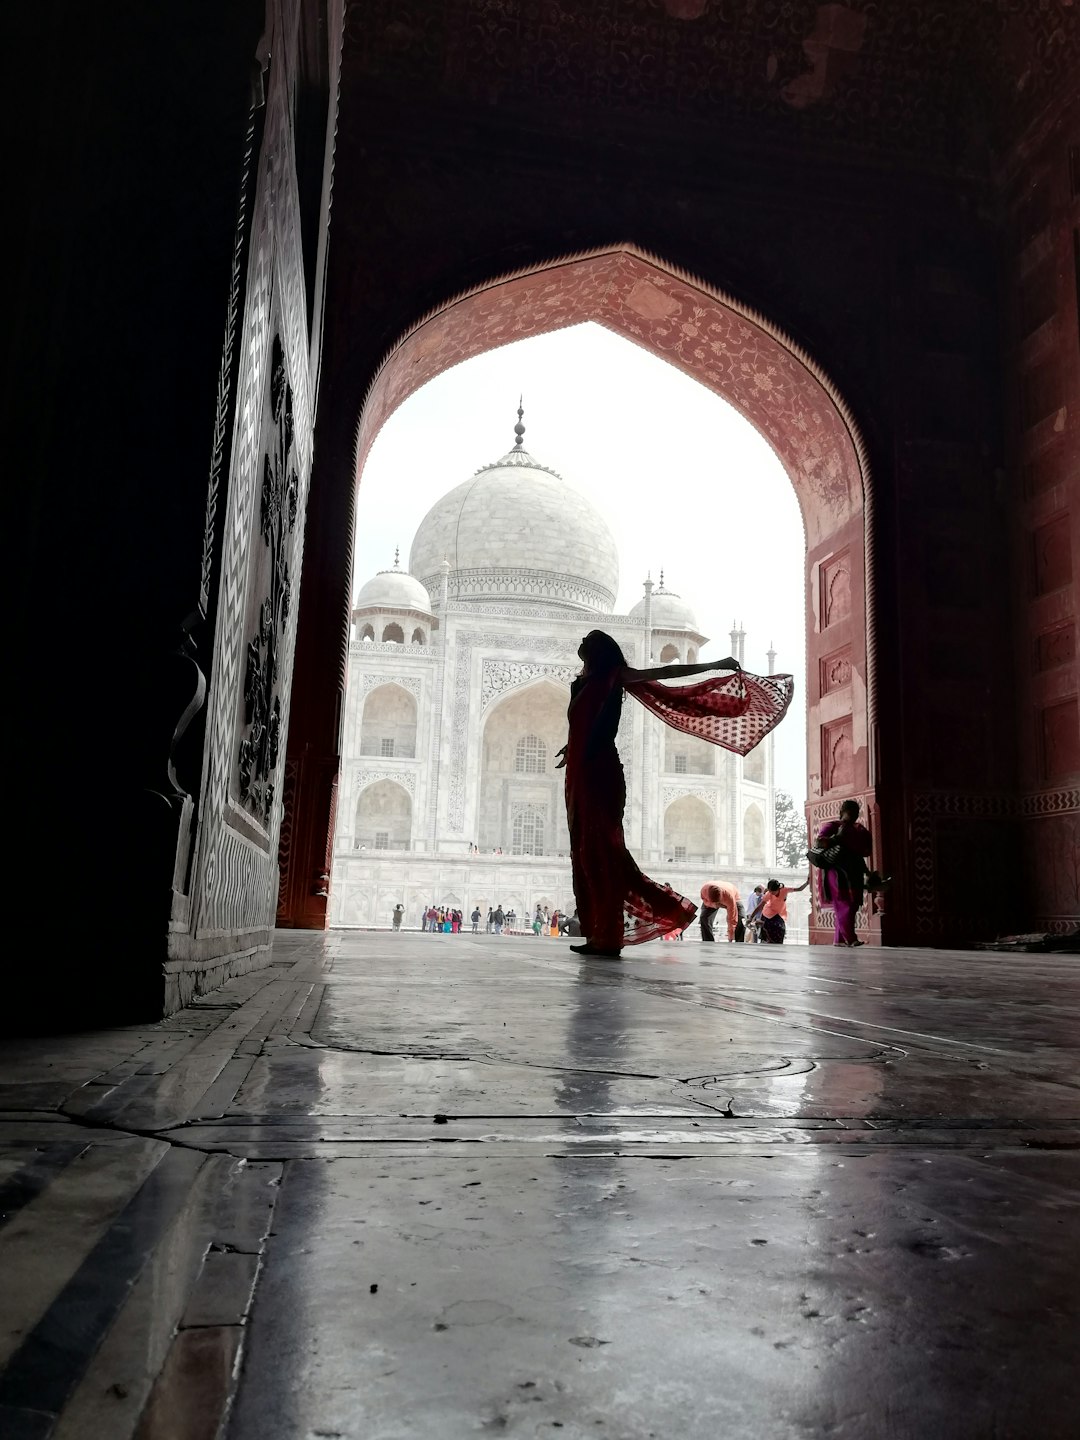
764,375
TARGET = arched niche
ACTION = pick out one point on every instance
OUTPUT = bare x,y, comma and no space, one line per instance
690,831
393,634
388,723
669,654
688,754
367,633
418,637
753,836
383,817
521,806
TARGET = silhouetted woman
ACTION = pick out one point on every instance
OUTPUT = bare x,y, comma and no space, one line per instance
735,711
843,884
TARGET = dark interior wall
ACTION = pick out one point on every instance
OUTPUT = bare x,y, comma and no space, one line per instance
128,131
1041,326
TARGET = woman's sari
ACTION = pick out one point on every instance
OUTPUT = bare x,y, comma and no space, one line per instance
617,904
843,886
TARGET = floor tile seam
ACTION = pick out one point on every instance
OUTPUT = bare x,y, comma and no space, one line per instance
766,1147
876,1124
760,1010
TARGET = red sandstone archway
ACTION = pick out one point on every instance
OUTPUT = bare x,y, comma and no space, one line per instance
777,387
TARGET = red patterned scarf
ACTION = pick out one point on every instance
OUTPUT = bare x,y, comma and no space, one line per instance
735,711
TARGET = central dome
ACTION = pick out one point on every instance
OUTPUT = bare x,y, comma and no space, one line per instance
516,533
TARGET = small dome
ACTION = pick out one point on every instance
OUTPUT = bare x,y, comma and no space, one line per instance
669,611
393,589
518,533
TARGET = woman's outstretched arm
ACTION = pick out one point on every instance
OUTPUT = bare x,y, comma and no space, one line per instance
679,672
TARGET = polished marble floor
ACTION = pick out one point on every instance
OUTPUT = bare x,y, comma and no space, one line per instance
407,1187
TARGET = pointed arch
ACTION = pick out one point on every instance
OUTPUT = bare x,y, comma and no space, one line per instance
388,723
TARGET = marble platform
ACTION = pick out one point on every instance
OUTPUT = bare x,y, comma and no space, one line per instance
411,1187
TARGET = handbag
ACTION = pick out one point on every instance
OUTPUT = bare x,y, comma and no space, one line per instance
824,856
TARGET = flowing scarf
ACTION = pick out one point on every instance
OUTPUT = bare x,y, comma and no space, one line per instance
735,711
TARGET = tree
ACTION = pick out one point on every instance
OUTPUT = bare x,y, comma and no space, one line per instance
791,841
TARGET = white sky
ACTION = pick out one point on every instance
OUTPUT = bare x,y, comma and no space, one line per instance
685,483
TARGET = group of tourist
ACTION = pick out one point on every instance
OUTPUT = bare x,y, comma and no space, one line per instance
762,921
441,920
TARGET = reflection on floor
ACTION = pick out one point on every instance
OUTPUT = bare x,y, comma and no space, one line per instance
441,1186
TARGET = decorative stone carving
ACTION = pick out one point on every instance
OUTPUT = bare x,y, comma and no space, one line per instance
836,671
411,683
279,503
835,590
405,778
837,754
671,793
381,647
577,593
502,675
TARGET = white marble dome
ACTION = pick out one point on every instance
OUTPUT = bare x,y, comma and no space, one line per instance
518,534
393,590
669,611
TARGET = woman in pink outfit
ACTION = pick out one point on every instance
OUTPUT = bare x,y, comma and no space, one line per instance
843,884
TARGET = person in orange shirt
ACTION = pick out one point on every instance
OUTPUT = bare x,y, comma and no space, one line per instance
771,910
719,896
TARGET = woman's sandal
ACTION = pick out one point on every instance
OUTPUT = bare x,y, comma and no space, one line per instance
595,952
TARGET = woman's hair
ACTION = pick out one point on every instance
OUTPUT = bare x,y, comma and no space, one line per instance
602,653
773,885
851,807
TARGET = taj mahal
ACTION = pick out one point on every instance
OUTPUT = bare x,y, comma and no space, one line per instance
459,679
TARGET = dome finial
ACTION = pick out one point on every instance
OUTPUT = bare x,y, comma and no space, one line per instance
397,556
661,579
519,428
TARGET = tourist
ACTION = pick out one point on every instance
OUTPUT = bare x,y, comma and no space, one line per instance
433,919
455,921
753,927
772,910
538,921
511,919
475,918
736,711
399,913
490,920
498,919
720,896
843,880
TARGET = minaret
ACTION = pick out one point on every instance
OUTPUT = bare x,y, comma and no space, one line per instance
444,590
648,614
771,657
738,642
